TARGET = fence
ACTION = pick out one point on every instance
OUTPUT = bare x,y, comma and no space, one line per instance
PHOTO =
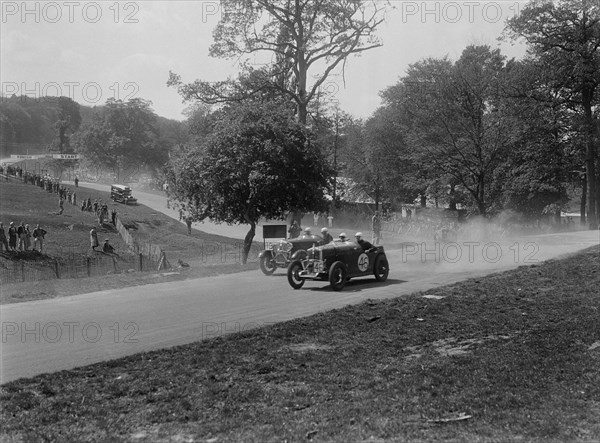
72,267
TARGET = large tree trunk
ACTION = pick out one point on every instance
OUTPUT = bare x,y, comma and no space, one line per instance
248,242
583,201
590,159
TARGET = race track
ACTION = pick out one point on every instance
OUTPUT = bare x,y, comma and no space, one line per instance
52,335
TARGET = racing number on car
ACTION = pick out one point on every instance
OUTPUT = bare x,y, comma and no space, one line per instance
363,262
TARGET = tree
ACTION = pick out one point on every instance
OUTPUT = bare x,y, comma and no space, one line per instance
565,36
258,162
122,136
453,119
68,122
301,36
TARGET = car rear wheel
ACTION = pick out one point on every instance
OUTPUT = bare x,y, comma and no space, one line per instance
381,268
267,265
337,275
293,275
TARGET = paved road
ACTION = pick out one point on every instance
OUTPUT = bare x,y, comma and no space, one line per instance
51,335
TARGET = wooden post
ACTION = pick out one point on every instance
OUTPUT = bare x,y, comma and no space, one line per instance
114,264
56,269
23,271
87,262
141,260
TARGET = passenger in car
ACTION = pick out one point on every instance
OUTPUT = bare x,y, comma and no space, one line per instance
363,243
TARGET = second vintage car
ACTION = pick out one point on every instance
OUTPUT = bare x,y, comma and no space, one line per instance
338,262
281,253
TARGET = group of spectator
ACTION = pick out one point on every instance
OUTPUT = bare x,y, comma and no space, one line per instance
106,247
21,238
99,208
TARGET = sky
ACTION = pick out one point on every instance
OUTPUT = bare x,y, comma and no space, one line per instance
91,51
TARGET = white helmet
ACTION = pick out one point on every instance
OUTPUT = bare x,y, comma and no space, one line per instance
358,234
343,235
324,230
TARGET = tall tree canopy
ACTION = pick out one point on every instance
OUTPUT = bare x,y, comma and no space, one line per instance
451,118
563,39
69,120
306,39
258,162
122,136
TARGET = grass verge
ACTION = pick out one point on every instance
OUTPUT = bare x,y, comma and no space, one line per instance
68,234
511,357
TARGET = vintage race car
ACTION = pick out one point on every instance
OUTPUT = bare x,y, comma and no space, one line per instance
338,262
280,254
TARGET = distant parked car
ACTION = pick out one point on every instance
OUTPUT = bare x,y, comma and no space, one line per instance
338,262
122,194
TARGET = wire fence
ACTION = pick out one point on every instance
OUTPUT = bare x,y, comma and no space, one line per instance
58,267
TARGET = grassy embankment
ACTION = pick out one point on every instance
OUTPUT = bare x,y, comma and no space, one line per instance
69,233
514,356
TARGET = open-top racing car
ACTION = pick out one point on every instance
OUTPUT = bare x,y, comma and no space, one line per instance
279,254
338,262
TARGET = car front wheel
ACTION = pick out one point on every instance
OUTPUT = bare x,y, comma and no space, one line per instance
381,268
337,275
267,266
293,275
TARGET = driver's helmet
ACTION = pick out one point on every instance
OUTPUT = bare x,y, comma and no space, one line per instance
307,231
358,235
343,236
324,231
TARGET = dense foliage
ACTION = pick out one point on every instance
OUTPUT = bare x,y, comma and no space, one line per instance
257,162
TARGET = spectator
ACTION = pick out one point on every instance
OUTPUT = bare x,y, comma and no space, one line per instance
113,216
316,218
376,225
12,237
188,222
76,182
94,238
38,237
107,247
74,198
21,236
27,237
294,230
3,240
330,221
61,206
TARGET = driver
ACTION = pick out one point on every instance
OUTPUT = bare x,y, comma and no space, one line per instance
327,238
307,233
342,237
365,245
